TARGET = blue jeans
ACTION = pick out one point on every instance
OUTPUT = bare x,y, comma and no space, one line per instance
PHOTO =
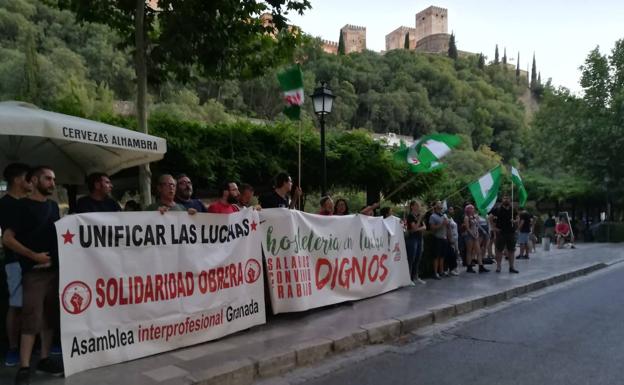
414,249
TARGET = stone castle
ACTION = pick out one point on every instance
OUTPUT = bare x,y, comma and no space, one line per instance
430,34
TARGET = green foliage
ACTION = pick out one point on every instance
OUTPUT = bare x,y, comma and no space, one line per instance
481,63
252,153
50,60
533,75
496,59
452,50
580,138
341,44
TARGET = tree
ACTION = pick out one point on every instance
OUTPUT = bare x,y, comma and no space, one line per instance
595,80
31,69
452,50
481,62
341,44
505,57
222,38
496,60
518,69
533,84
406,43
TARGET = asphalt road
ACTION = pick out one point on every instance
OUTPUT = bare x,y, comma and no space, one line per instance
572,334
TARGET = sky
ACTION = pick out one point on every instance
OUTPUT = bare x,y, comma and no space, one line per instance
560,33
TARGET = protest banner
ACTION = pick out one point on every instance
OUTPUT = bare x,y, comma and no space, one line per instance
137,284
313,260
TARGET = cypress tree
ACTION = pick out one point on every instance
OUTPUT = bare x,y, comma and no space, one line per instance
496,61
539,78
341,45
518,69
533,74
406,43
505,57
481,63
31,70
452,50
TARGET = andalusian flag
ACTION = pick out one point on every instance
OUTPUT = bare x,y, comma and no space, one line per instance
522,194
291,82
425,154
485,190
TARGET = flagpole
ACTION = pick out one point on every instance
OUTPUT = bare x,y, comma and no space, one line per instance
512,198
401,187
299,169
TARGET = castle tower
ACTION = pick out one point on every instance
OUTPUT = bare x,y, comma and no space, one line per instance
354,38
396,38
430,21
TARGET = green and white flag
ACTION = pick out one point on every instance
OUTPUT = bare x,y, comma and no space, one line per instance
485,190
522,193
424,155
291,82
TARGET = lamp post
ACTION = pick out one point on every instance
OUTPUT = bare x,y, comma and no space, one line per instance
323,100
607,179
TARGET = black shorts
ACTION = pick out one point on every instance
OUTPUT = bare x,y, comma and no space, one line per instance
505,242
440,247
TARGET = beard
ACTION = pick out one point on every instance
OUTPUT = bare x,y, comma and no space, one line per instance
45,191
186,193
231,199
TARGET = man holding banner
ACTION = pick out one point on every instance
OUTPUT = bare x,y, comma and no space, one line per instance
32,236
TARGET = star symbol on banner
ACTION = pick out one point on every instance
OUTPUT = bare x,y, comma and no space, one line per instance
253,225
68,237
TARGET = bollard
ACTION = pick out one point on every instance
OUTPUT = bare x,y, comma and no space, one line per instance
546,243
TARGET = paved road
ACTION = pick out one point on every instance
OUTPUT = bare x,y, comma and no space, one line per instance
572,334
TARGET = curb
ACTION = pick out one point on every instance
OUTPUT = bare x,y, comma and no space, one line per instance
246,370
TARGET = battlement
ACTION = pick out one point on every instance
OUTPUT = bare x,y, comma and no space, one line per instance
431,21
329,46
353,27
403,29
433,10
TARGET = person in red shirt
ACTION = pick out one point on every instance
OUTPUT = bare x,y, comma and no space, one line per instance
562,231
227,203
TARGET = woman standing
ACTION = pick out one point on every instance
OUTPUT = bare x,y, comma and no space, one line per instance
414,238
471,224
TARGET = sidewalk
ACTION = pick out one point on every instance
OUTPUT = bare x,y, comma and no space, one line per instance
291,340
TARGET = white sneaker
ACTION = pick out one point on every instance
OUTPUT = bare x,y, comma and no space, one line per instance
455,272
418,280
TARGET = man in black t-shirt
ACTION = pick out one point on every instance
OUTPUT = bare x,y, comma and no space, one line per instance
279,196
505,233
99,199
184,193
32,236
17,188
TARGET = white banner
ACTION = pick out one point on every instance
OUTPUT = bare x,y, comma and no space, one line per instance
136,284
313,260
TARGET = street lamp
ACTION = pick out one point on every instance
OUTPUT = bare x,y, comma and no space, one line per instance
607,179
323,100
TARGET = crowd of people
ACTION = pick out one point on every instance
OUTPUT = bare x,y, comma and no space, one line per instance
28,214
30,247
465,238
